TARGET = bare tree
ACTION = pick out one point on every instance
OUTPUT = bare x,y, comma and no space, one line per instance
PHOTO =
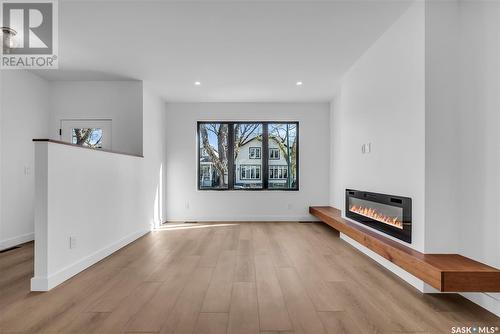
243,133
217,156
281,135
84,138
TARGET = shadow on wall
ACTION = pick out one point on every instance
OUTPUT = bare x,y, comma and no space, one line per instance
157,205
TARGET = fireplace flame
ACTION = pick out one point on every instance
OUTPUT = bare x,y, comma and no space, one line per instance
376,215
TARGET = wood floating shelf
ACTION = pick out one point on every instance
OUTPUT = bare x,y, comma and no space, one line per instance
445,272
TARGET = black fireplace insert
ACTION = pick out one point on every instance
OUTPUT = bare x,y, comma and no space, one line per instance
387,213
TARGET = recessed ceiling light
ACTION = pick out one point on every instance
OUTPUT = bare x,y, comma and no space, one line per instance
299,83
197,83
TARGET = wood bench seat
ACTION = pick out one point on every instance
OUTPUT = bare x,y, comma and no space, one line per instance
445,272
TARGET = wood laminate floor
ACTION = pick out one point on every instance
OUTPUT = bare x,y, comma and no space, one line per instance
229,278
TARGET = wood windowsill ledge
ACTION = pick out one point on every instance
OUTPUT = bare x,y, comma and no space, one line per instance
86,148
445,272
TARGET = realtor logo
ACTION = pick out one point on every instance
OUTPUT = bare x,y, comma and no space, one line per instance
29,38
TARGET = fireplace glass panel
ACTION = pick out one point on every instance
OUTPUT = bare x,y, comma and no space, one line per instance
386,214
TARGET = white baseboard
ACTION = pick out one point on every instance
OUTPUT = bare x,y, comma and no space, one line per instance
401,273
52,280
243,219
489,301
20,239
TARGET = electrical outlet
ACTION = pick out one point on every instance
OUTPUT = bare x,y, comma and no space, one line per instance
290,206
72,242
366,148
27,170
187,205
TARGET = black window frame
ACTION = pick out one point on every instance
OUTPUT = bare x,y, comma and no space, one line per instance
264,153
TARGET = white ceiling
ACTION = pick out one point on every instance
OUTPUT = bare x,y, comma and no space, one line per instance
239,51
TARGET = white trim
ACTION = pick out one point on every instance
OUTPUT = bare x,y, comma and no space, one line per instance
406,276
20,239
489,301
279,218
47,283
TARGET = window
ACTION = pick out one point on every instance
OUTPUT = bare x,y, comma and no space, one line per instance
206,175
278,172
250,172
213,140
87,137
254,152
274,153
283,138
92,133
242,146
247,146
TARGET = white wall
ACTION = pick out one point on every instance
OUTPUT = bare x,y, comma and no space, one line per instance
479,145
93,196
462,141
120,101
382,101
479,122
24,116
1,150
186,203
155,146
122,197
441,124
2,243
336,191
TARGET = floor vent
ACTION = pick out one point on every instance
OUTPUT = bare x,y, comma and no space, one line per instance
9,249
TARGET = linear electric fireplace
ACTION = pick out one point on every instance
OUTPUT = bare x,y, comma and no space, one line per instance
387,213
